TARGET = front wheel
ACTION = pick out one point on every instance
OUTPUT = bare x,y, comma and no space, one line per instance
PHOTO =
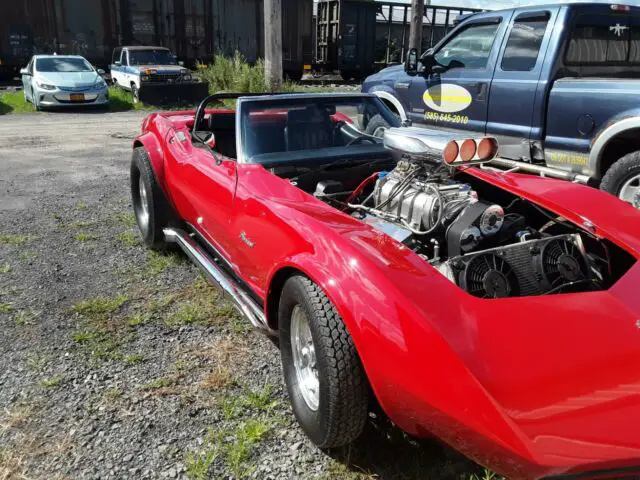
135,93
377,126
325,379
623,179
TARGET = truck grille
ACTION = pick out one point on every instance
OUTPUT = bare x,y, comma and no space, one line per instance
164,77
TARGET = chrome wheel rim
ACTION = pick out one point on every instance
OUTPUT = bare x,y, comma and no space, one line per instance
304,358
143,210
630,191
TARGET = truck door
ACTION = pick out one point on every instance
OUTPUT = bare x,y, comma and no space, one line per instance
454,94
515,111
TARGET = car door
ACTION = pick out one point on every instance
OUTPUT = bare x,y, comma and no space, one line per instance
202,188
454,94
516,108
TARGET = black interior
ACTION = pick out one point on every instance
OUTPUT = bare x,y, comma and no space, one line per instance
307,129
223,126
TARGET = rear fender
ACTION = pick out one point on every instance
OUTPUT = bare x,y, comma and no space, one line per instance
616,126
156,156
388,95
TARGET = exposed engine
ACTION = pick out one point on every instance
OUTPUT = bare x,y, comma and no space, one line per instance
475,243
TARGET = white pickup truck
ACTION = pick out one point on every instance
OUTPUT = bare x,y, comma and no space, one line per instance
152,74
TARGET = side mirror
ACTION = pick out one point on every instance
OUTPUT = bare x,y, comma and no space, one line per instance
117,63
24,71
100,71
411,63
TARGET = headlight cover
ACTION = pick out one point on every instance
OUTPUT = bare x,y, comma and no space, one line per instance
45,86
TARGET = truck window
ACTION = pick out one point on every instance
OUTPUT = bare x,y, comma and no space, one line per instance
604,40
471,47
523,45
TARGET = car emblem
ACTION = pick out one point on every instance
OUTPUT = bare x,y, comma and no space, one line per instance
245,239
618,29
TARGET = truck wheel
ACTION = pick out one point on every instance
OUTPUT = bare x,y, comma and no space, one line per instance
623,179
150,206
135,93
325,379
376,126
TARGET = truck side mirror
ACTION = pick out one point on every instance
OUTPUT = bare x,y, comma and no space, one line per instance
411,63
24,71
100,71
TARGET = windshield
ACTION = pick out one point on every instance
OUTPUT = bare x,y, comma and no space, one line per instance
151,57
308,123
63,64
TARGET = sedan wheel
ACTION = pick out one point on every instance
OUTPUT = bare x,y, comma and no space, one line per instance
304,358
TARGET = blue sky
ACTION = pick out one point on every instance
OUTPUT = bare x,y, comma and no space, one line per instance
496,4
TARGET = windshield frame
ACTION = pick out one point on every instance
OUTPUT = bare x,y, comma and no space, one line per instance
63,57
302,99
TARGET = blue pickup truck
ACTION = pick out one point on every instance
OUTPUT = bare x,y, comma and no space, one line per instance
558,85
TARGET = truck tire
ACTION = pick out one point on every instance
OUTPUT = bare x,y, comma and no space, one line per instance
376,126
153,212
135,93
623,179
325,379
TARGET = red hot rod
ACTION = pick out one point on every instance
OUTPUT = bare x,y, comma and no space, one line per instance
497,311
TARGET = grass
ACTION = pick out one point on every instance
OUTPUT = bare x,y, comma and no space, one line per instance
160,383
159,262
113,394
128,219
14,239
133,359
119,101
129,239
81,205
139,319
55,381
28,256
99,307
6,307
233,446
6,268
220,377
36,362
85,237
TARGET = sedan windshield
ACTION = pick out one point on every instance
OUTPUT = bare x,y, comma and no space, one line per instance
151,57
308,123
63,64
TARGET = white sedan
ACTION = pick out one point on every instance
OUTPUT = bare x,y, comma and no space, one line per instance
63,81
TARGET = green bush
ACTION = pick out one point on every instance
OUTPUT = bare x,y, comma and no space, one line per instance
234,74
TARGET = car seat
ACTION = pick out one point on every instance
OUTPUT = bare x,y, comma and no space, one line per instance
308,129
223,126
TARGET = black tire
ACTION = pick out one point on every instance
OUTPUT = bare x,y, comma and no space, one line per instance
376,124
621,172
159,213
343,388
135,93
354,75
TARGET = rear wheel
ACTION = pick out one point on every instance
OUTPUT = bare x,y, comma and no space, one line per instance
153,212
325,379
623,179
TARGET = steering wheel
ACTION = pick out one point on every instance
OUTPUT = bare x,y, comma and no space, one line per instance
360,139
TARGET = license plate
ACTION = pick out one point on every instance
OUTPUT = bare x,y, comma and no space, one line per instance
77,97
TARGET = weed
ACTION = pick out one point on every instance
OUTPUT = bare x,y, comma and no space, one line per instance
133,359
486,475
55,381
113,394
221,377
197,464
162,382
129,239
16,416
189,313
27,255
99,307
14,239
6,268
80,205
340,471
12,466
127,219
36,362
159,262
6,307
82,224
262,400
85,237
139,319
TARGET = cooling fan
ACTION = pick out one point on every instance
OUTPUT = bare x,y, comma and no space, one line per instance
489,276
562,262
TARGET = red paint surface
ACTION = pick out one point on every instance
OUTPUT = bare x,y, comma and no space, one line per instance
530,387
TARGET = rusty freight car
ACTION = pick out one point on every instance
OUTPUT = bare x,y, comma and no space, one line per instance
195,30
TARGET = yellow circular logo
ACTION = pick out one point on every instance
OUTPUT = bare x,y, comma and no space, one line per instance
447,98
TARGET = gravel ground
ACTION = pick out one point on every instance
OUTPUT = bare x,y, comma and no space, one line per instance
119,363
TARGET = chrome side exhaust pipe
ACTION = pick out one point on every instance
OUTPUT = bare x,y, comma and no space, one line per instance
219,278
514,165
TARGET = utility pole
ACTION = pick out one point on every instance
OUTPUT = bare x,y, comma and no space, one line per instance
415,30
273,44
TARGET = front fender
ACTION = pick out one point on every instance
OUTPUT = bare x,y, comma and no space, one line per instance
387,93
620,123
154,151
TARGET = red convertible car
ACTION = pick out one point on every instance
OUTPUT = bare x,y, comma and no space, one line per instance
496,311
